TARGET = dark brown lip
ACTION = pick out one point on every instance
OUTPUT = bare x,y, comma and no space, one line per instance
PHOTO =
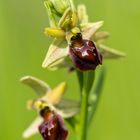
91,59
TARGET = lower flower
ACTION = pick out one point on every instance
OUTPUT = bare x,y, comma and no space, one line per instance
52,128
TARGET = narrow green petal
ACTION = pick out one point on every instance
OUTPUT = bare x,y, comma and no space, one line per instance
55,32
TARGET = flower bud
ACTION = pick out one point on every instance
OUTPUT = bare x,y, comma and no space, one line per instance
52,128
59,6
83,53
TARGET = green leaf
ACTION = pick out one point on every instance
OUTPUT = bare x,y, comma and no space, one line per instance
40,87
95,95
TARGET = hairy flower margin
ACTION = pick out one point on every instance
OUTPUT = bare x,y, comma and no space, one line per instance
70,22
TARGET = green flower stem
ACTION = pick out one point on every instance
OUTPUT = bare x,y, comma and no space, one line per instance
83,116
88,78
80,79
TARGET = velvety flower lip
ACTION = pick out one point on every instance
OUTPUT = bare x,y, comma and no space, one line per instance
84,54
52,128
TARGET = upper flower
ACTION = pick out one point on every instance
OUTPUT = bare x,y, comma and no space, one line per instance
59,51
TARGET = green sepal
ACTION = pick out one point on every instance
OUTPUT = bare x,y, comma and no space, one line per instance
68,108
55,55
100,36
90,29
39,86
110,52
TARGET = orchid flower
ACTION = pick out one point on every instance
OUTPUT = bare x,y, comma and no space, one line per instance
52,97
58,53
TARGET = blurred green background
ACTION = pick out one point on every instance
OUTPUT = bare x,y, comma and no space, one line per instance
22,50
